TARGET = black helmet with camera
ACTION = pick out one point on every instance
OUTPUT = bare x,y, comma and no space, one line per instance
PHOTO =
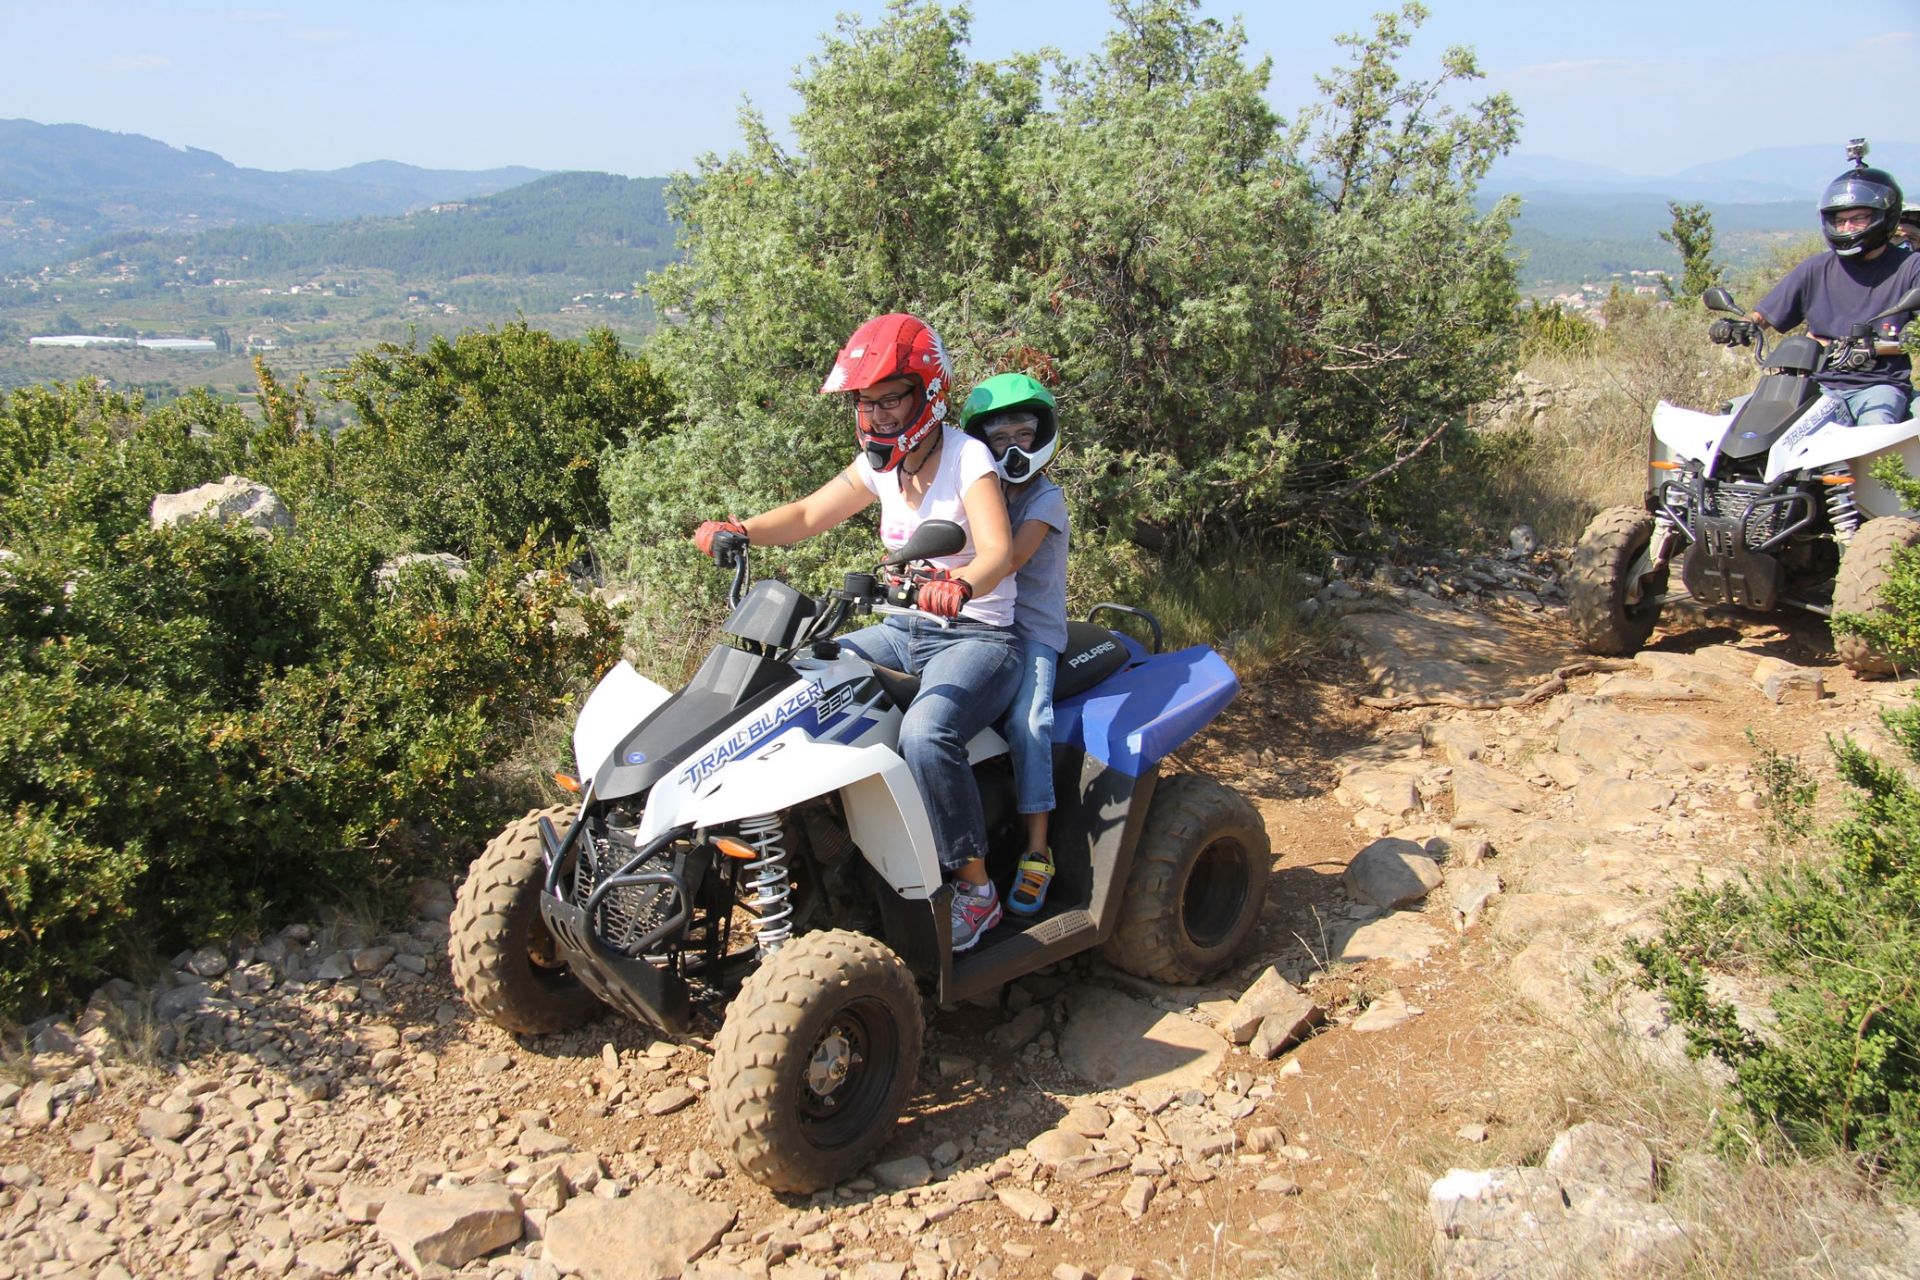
1861,187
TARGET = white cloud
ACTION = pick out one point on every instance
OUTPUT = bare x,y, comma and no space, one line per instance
137,62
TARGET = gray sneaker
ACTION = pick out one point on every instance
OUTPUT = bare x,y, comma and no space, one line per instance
973,915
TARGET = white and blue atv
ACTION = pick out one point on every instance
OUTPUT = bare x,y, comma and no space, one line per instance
1769,503
755,843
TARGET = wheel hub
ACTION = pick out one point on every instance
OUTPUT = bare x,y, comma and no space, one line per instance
833,1060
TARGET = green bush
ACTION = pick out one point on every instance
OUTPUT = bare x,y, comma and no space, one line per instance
471,445
203,727
1840,1068
1246,323
1552,330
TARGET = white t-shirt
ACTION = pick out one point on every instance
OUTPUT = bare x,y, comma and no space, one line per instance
963,460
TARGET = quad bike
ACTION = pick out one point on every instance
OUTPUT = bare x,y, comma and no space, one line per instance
1770,502
754,843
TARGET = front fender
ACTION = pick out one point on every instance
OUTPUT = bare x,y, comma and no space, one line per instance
1688,433
621,700
884,812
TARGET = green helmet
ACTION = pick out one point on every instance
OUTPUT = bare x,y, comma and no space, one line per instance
1012,395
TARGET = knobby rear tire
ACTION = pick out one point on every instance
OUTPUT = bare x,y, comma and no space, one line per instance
1198,881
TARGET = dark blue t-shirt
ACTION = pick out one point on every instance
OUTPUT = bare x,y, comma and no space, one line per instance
1831,294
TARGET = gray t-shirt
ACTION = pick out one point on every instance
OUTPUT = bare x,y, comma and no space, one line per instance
1040,607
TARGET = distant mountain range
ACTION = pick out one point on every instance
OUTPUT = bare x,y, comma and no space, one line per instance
1583,222
1772,173
599,229
69,190
64,185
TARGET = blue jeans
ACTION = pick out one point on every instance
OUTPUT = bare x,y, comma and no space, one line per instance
1872,406
1030,727
966,678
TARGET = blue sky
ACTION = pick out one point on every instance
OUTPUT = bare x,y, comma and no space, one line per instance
641,88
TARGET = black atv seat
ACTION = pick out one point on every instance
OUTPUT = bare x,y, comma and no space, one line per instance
1093,653
901,689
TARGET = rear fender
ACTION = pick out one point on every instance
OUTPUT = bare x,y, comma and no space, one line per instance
884,813
1135,718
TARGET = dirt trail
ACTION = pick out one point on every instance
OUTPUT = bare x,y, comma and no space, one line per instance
292,1087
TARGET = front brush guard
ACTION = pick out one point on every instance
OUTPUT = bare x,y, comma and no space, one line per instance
1724,562
648,992
1719,568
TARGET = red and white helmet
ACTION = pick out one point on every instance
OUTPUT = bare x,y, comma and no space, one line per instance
894,346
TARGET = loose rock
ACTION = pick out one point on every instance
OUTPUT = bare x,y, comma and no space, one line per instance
653,1234
450,1228
1390,873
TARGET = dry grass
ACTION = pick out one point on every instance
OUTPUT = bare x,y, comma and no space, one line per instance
1579,458
1754,1209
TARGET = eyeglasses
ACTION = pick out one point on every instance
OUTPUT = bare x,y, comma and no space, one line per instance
885,404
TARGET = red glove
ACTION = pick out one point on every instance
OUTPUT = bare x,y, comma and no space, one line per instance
703,536
944,596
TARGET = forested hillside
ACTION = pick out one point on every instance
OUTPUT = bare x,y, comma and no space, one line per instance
63,185
595,227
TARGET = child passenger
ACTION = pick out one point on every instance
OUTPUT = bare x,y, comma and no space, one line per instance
1014,414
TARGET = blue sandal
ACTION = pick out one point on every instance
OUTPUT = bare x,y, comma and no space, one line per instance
1031,879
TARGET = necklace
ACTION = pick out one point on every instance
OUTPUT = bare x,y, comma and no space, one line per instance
913,473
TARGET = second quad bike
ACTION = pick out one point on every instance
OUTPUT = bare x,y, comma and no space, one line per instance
752,849
1770,503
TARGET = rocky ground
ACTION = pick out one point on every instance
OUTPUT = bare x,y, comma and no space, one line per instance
1465,823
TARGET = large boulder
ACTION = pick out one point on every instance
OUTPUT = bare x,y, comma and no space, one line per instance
1390,873
229,500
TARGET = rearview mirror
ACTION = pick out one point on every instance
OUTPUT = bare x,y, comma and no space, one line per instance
1718,299
931,540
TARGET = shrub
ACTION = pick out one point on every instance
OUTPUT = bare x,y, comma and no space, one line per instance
1246,324
201,727
1552,330
1836,942
471,445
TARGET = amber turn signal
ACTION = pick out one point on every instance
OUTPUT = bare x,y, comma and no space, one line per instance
567,781
735,848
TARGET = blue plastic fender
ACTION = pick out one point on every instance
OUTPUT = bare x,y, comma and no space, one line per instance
1136,717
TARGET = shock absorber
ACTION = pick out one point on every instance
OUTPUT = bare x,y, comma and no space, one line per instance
766,878
1843,510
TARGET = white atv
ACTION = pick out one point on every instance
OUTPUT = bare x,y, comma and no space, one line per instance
756,838
1769,503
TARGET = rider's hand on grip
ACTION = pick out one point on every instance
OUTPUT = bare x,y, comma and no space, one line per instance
1731,333
720,537
944,596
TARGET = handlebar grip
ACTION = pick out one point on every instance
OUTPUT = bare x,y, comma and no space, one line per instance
1731,333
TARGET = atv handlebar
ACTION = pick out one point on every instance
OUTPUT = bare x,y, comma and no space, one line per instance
897,593
1732,333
